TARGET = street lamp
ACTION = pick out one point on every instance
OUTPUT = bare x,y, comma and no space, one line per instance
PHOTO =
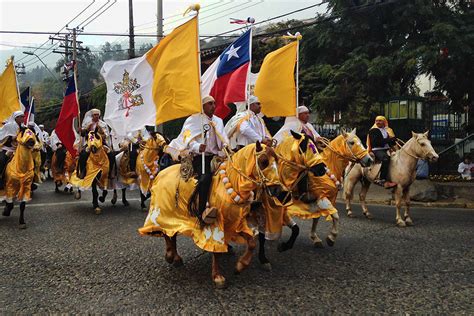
33,54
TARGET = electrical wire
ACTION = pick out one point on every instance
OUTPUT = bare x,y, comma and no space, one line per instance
93,13
107,8
218,18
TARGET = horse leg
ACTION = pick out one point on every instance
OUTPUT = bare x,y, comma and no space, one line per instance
362,195
143,198
331,238
124,197
95,195
244,260
22,215
406,197
56,184
103,196
317,242
114,197
287,245
217,277
261,253
348,195
171,255
8,209
398,203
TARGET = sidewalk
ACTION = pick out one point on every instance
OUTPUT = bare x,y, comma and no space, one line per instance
379,195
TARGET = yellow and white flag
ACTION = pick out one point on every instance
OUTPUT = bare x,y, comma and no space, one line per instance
275,86
160,86
9,98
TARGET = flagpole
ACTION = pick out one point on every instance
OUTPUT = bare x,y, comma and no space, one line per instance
12,58
74,71
250,67
297,72
29,112
196,7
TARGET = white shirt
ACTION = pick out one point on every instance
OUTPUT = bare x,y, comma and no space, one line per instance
211,141
102,124
251,130
9,129
465,170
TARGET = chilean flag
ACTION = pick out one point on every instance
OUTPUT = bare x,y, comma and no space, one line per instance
226,78
69,110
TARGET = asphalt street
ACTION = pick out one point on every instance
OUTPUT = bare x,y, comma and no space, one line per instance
71,260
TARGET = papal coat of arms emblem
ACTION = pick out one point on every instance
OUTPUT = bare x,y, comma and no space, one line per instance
128,100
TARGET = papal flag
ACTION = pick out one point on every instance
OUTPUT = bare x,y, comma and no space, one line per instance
9,98
275,86
160,86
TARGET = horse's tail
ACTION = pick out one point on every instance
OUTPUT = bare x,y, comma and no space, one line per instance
60,158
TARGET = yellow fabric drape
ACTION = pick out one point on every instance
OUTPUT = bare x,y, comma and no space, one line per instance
176,77
9,99
63,176
275,86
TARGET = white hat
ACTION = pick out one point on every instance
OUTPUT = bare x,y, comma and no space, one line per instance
94,111
303,109
41,126
253,99
17,114
207,99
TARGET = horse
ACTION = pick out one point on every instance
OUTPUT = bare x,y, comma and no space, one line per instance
148,164
97,170
19,175
237,182
62,167
337,154
402,171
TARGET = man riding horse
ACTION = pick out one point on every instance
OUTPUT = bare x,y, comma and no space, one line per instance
298,124
190,139
379,140
8,135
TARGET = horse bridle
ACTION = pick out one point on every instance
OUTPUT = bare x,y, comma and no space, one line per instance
353,159
398,141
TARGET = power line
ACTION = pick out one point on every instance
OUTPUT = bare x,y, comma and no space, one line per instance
92,14
252,5
107,8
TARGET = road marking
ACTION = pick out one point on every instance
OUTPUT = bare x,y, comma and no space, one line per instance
69,203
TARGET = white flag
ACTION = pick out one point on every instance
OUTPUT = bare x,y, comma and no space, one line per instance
129,104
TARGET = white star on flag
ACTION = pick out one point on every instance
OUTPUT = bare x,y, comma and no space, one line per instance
232,52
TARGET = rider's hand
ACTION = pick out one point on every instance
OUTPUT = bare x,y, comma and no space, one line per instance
202,148
267,141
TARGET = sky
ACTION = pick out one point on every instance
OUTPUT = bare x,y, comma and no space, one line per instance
51,16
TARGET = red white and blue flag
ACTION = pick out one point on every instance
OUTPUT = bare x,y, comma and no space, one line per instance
69,110
30,111
226,78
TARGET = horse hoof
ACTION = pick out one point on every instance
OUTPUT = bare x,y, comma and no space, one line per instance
125,203
56,190
98,210
22,226
368,216
282,247
318,244
113,201
401,223
267,266
177,262
239,267
351,215
101,199
329,242
408,221
77,196
219,282
169,258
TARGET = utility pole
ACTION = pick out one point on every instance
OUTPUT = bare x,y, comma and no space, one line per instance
159,21
131,50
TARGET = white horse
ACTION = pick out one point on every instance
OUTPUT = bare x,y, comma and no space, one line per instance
402,172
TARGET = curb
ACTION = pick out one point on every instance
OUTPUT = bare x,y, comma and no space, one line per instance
414,203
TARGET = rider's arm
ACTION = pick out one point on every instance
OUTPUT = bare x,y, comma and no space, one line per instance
247,131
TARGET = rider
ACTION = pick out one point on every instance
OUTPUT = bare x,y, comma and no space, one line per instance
248,127
190,139
8,135
90,123
298,124
379,140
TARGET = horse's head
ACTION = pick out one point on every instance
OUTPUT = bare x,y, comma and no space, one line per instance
423,148
267,165
94,141
349,146
27,138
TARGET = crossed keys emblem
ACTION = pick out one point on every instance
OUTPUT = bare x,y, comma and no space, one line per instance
126,88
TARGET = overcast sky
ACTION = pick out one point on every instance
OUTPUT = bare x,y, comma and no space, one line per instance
51,16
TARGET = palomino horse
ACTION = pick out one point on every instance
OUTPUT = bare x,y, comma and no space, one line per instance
19,175
238,180
97,170
148,164
337,154
402,171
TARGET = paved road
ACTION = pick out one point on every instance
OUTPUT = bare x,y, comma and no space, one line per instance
71,260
